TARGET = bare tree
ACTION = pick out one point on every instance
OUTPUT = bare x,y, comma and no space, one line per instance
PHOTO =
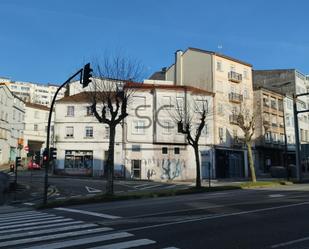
191,120
246,122
109,95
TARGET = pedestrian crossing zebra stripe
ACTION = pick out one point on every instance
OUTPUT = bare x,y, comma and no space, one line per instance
126,244
15,214
39,227
53,236
46,231
25,217
84,241
35,223
15,222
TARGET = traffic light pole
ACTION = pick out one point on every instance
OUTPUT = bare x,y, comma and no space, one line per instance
46,162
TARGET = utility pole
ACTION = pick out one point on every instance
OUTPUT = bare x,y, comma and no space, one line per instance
85,80
297,142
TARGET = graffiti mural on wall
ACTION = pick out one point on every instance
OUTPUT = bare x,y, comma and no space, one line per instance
171,168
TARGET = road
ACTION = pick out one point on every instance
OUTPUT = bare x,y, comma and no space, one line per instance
62,187
263,218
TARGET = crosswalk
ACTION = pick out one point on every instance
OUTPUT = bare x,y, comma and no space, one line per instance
27,228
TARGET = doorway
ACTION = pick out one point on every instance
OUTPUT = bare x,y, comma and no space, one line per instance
136,169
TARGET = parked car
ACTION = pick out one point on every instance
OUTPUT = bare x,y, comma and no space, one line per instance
32,165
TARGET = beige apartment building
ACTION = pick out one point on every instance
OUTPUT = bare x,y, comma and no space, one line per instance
270,130
230,80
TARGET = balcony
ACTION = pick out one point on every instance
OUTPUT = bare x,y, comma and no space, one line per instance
234,119
235,97
235,77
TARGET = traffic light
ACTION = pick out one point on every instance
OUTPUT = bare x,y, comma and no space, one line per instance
37,157
53,153
87,75
18,162
45,155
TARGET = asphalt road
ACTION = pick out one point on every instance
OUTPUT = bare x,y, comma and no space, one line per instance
264,218
66,187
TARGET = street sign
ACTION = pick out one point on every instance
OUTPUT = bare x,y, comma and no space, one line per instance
26,148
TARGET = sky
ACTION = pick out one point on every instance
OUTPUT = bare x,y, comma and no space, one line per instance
47,41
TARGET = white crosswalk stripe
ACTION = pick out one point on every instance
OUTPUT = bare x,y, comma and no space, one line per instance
36,230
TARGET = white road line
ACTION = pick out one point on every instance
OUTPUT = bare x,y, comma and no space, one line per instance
126,244
39,227
50,230
35,223
218,216
26,217
290,242
142,185
276,195
31,219
17,214
79,242
28,203
152,186
107,216
172,247
54,236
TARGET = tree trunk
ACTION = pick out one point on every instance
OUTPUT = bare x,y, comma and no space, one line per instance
110,161
198,168
251,164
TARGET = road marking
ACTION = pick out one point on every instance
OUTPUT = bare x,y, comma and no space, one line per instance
39,227
54,236
126,244
170,247
26,217
290,242
35,223
107,216
218,216
78,242
152,186
276,195
17,214
31,219
51,230
28,203
92,190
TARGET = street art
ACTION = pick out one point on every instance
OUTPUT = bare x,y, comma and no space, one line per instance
171,169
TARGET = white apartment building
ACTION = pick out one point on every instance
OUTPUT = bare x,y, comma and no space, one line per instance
35,133
148,144
231,81
12,112
35,93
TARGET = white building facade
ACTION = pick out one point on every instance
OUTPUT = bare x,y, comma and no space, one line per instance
147,145
12,111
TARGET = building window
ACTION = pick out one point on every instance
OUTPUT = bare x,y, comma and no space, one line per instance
35,127
220,108
246,96
79,161
89,111
176,150
265,100
167,127
136,147
166,102
89,131
201,106
164,150
106,132
273,103
180,104
69,131
245,74
138,127
139,102
221,134
36,114
219,66
205,130
268,136
70,111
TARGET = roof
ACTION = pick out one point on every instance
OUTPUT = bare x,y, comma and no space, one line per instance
159,75
37,106
83,96
220,55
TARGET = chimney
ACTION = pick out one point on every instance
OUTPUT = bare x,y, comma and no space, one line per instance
178,68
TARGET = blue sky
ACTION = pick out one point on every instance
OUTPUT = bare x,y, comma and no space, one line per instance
46,41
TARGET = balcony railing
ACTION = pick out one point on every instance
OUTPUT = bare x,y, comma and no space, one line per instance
233,119
235,97
235,77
